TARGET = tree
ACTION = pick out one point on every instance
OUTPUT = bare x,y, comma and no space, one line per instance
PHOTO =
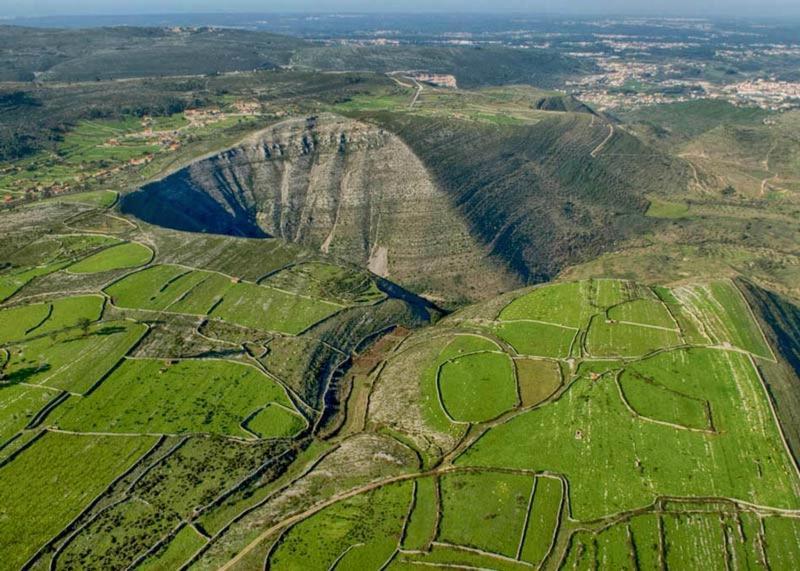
84,323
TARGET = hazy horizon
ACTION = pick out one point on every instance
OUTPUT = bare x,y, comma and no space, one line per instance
667,8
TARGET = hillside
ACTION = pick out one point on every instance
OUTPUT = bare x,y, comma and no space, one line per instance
343,187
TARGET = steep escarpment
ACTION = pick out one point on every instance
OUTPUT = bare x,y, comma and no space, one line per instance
350,189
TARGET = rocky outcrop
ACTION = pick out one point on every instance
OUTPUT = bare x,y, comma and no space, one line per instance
351,189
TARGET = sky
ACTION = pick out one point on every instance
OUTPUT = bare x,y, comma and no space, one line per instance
729,8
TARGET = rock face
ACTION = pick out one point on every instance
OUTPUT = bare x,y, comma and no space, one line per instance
348,188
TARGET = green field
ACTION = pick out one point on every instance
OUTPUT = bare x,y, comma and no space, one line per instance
537,379
564,304
75,360
18,405
422,523
185,543
211,396
178,290
485,510
614,339
275,421
749,461
128,255
478,387
363,531
34,320
643,311
536,339
271,309
725,315
543,520
46,487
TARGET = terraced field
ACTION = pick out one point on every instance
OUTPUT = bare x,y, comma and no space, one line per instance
647,440
138,396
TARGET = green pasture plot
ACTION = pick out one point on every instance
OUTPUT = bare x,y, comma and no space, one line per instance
13,280
74,360
204,295
274,421
422,525
543,520
210,396
610,339
46,486
536,339
478,387
485,510
327,281
653,400
537,378
582,552
646,541
564,304
127,255
154,288
69,312
175,553
643,311
271,309
690,330
368,524
429,386
690,538
15,322
589,433
19,322
725,314
18,405
614,550
664,209
744,539
607,293
782,542
453,557
464,345
98,198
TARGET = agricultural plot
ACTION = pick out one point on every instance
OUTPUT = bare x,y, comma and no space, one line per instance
614,339
176,552
211,396
690,538
543,519
275,421
485,510
154,288
725,316
614,549
478,386
75,360
537,378
589,431
328,282
203,296
46,488
646,540
122,256
782,542
421,526
271,309
18,405
643,312
654,400
24,321
563,304
97,198
454,557
361,532
536,339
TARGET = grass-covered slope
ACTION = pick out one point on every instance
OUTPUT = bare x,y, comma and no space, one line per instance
669,452
543,195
